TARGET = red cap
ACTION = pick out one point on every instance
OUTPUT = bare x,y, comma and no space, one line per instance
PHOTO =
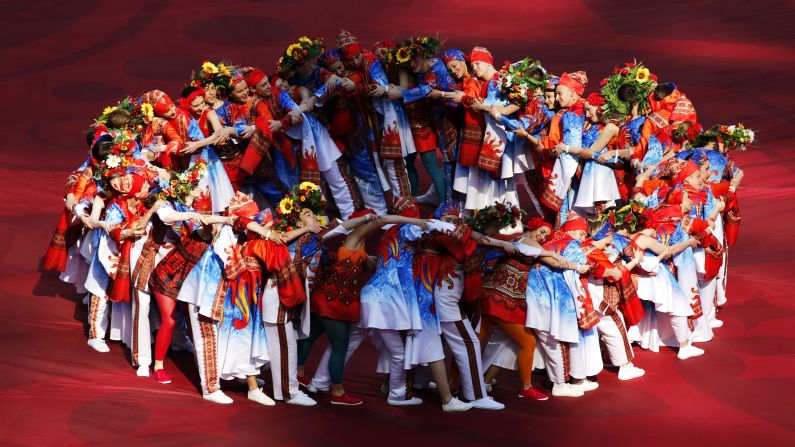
160,101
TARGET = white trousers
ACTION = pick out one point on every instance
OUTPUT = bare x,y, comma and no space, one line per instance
721,278
556,356
464,344
613,333
340,190
398,178
395,343
283,351
585,355
141,345
205,343
97,317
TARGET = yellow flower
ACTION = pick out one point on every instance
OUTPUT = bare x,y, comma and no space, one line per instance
309,186
292,48
224,71
286,205
322,220
403,55
305,40
642,75
147,110
109,110
209,67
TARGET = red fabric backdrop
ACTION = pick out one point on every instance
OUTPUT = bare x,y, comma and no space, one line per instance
64,61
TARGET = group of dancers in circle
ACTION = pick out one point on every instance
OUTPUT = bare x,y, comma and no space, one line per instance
234,223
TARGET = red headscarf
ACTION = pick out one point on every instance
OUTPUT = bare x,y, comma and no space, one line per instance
480,54
406,208
575,81
689,168
535,223
254,77
128,184
160,101
242,205
348,44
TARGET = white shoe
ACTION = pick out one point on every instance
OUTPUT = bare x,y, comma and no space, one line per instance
312,388
456,405
566,390
585,386
429,198
98,345
688,352
142,371
302,399
491,385
629,372
260,397
426,386
405,402
487,403
716,324
218,397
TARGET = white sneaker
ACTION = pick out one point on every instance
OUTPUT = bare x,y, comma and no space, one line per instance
302,399
429,198
456,405
716,324
566,390
260,397
585,386
98,345
629,372
142,371
487,403
218,397
312,388
405,402
688,352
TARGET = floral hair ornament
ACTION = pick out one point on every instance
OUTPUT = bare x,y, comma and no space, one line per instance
518,80
183,183
219,76
635,74
731,136
305,195
500,214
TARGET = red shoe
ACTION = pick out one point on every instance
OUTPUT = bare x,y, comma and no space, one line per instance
346,399
161,376
533,393
304,381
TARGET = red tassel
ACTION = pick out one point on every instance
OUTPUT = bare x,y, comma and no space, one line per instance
120,292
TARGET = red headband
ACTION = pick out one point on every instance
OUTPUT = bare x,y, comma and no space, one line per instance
184,103
575,224
480,54
255,77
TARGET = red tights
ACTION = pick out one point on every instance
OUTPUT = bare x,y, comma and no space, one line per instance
168,313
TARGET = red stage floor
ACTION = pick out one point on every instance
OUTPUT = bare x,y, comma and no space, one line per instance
65,61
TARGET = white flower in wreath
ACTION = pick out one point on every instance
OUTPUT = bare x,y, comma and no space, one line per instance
509,80
113,161
750,136
731,129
